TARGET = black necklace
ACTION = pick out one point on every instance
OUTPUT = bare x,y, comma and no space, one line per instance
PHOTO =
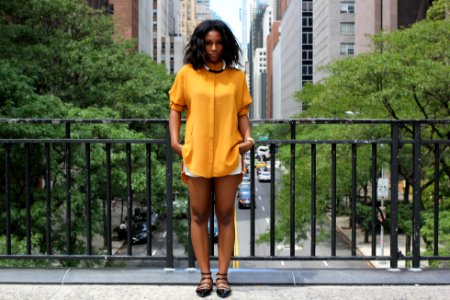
224,65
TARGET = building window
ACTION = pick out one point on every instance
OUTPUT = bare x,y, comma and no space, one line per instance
307,6
110,9
307,21
347,28
347,48
347,7
307,38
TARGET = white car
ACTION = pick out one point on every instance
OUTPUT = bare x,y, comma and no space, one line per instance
264,175
263,152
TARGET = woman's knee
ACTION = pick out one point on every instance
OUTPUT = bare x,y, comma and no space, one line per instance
225,218
199,216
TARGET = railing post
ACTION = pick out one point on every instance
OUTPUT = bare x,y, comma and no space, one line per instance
333,200
313,198
28,198
8,197
292,190
148,195
394,195
88,199
252,202
108,199
129,199
169,198
48,197
68,154
416,196
437,158
354,197
272,201
374,199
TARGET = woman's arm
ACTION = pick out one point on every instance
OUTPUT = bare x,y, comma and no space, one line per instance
174,128
246,132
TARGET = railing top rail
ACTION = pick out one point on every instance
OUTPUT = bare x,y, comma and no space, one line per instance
80,121
266,121
347,121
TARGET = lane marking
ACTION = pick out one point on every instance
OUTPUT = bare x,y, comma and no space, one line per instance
164,234
262,207
267,219
259,197
236,242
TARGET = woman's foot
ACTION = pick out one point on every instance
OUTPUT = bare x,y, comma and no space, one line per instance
222,285
206,285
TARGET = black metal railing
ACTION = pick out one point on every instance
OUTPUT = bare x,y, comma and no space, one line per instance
58,156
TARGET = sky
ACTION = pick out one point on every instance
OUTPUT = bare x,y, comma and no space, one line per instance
229,11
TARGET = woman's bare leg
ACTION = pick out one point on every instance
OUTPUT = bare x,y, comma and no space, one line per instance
225,195
200,200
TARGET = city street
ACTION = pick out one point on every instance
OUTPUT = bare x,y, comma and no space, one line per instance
262,219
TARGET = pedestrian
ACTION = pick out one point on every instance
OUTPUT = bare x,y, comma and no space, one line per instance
122,230
215,96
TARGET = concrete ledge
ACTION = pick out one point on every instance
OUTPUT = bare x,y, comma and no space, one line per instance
236,276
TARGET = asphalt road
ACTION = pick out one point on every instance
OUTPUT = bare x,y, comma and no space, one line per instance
302,248
262,219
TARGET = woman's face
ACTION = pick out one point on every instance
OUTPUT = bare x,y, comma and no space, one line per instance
213,46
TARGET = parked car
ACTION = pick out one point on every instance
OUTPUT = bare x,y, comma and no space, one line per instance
263,152
244,200
246,178
215,230
264,175
260,164
140,215
243,187
139,233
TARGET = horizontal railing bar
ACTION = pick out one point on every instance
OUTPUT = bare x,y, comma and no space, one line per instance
83,121
242,258
82,141
346,121
162,141
265,121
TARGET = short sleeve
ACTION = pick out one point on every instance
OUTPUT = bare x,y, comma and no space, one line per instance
176,93
246,99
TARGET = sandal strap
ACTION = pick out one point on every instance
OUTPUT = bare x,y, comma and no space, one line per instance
223,278
206,281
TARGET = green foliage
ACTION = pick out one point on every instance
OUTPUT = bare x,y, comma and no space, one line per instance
407,76
439,10
61,59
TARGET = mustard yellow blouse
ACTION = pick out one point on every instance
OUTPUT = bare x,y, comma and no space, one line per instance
213,103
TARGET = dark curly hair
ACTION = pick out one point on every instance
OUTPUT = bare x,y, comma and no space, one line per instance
195,51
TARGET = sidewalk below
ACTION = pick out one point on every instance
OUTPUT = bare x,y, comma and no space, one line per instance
365,249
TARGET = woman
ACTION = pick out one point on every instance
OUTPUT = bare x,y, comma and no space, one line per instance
216,99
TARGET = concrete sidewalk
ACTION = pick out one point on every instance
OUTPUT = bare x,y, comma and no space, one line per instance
365,249
159,292
138,283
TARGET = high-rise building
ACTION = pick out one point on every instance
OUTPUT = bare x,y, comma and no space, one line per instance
203,10
159,35
153,23
387,15
296,40
334,32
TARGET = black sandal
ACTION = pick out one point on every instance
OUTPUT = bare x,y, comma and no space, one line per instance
206,285
222,285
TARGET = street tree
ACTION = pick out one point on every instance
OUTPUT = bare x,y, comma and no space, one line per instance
62,59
